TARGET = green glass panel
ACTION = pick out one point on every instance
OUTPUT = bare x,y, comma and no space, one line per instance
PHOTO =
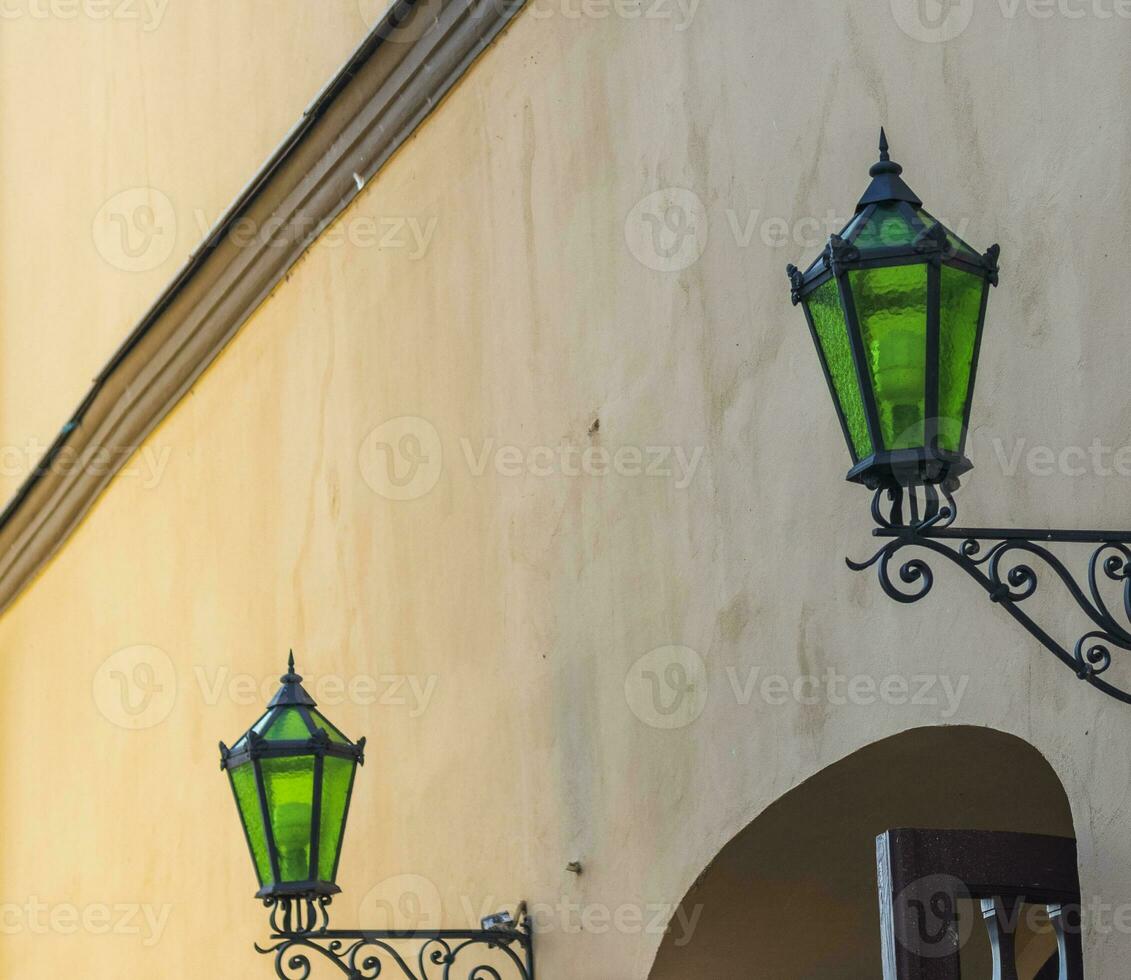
853,226
961,249
289,783
288,727
337,777
823,305
330,730
891,304
259,727
885,228
247,798
960,306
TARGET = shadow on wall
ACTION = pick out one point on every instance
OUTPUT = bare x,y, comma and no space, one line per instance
794,894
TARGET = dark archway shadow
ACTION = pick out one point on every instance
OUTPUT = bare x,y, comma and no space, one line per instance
793,896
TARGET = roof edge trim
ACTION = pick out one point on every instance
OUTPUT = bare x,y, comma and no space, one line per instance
365,113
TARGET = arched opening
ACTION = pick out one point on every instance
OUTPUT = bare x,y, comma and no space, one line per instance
795,893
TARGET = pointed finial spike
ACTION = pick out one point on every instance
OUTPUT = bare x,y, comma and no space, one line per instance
885,166
291,662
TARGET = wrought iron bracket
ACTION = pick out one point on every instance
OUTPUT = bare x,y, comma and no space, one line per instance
301,935
998,560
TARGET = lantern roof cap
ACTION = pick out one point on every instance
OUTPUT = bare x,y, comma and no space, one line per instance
887,184
292,692
291,725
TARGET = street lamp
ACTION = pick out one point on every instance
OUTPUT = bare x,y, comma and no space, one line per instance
292,776
896,307
896,304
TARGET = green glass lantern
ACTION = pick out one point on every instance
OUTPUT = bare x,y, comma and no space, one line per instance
896,304
292,776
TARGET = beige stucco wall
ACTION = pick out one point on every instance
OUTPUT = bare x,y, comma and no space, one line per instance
128,126
259,515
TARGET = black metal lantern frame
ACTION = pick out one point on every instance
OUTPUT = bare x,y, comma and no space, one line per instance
254,748
913,504
929,463
934,246
292,776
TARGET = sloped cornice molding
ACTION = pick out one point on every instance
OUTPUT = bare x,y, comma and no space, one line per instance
391,84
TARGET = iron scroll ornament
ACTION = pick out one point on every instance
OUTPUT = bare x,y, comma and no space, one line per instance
301,934
1000,560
